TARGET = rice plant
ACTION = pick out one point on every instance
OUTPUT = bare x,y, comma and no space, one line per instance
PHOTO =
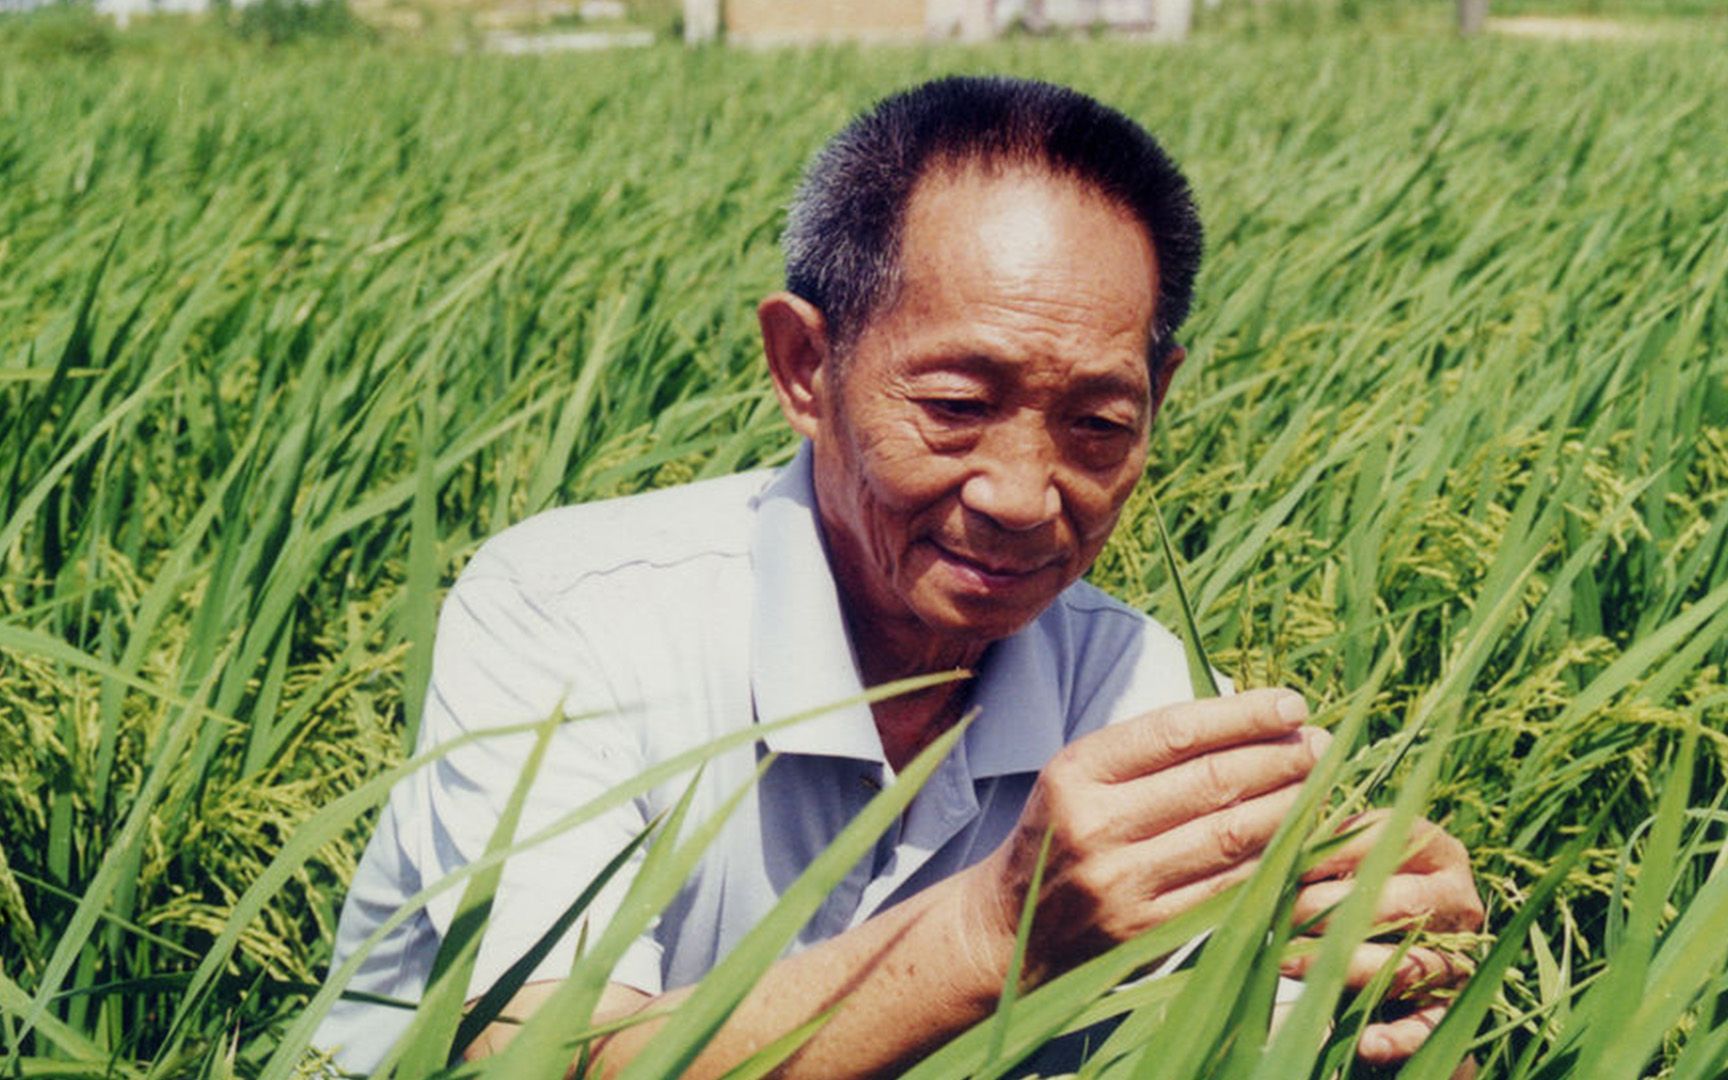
283,337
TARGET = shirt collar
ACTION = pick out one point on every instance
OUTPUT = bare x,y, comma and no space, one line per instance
801,656
1022,720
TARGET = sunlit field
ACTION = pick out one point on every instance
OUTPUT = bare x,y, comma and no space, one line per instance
284,335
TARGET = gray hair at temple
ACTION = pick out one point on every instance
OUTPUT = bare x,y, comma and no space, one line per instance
842,240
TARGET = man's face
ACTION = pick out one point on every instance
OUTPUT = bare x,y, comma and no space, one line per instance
977,446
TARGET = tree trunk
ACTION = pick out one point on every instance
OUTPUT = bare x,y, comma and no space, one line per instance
1172,19
701,21
1472,16
977,21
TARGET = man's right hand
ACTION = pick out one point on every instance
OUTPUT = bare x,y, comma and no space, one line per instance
1147,818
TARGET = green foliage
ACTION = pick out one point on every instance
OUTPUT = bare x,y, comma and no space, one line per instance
1614,9
278,22
58,30
74,30
284,335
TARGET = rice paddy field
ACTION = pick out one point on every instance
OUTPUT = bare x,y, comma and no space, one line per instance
285,334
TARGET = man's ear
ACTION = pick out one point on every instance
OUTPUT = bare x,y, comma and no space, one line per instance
795,340
1166,372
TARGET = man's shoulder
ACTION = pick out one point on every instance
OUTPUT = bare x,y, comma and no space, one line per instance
558,549
1120,658
1087,607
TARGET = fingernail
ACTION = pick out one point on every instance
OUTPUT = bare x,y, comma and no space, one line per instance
1291,707
1318,739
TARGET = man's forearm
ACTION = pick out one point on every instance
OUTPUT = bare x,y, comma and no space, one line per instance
904,982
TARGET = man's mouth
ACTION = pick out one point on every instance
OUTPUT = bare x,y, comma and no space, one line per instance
993,571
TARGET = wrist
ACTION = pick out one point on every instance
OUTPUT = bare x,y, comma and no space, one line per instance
985,926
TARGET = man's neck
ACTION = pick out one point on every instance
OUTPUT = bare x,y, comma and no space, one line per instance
909,722
885,657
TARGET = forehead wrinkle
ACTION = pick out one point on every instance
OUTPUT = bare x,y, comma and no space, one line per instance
1008,305
1041,315
1019,272
1004,337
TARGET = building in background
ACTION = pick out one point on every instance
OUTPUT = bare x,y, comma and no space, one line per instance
784,22
122,11
776,22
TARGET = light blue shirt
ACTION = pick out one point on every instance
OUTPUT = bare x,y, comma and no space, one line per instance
676,617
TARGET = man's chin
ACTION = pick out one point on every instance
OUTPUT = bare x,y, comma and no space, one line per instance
974,621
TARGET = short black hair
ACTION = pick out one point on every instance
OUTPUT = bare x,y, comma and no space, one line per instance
842,240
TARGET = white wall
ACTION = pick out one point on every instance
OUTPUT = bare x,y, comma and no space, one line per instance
1076,13
123,10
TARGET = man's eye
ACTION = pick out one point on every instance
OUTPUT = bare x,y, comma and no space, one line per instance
1102,425
954,409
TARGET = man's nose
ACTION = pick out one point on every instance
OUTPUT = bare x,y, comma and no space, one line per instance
1014,484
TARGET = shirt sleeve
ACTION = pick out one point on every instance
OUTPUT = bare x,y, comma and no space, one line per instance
503,657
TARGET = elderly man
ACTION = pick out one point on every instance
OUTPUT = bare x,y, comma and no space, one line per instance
985,279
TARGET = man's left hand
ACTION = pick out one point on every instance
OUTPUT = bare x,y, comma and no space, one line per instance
1432,890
